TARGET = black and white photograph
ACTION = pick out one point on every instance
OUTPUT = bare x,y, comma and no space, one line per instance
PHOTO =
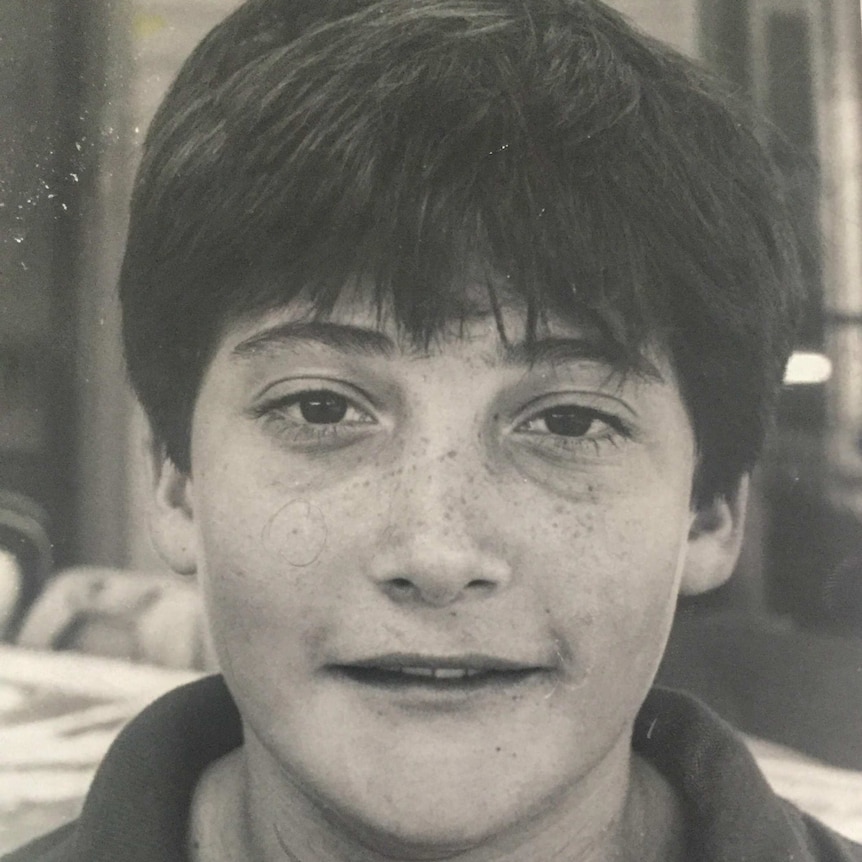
430,430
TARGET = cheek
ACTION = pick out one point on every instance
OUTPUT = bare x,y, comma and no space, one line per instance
276,564
296,533
611,576
260,556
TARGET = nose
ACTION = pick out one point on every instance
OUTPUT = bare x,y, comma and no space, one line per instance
436,572
441,544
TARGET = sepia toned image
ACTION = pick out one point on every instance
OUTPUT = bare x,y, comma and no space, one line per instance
431,430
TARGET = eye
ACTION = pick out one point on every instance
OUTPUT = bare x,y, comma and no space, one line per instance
314,417
567,421
574,422
319,407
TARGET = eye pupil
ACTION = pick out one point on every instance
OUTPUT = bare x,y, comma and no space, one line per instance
322,408
568,423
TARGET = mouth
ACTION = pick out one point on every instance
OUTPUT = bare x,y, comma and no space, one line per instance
441,674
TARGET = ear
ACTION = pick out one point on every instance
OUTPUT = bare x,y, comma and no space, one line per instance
714,540
172,521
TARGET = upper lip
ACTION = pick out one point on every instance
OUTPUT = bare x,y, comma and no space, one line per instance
470,661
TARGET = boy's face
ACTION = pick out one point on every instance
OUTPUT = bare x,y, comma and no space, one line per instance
439,583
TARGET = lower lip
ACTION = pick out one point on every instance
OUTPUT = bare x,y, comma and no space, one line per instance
420,690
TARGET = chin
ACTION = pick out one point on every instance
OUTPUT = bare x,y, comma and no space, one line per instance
429,834
435,824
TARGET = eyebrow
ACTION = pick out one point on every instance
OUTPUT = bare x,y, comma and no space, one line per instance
348,339
338,336
558,349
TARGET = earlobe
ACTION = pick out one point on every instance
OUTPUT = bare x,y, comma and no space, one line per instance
714,541
172,513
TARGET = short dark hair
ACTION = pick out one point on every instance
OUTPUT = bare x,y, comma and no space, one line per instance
309,142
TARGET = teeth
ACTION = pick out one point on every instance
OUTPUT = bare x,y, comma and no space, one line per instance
440,672
451,673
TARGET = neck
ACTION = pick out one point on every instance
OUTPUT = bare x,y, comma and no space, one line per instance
627,812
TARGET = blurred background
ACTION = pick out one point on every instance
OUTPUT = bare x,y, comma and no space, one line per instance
78,85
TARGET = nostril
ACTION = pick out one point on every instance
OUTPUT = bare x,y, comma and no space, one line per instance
400,589
481,584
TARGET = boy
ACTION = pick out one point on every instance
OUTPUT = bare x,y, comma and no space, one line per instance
458,324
